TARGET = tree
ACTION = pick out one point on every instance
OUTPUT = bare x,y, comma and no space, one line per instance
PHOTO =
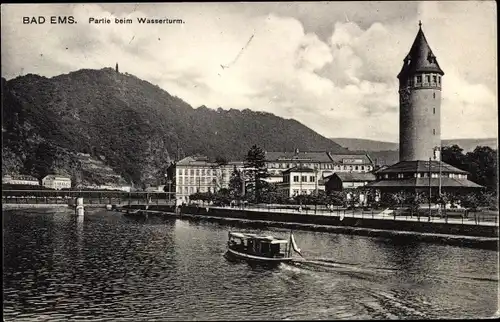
222,197
320,198
393,199
336,198
413,201
236,184
488,199
220,160
453,155
196,196
269,193
301,199
255,162
42,162
470,201
483,167
202,196
351,197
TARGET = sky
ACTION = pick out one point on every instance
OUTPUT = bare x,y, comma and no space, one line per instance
330,65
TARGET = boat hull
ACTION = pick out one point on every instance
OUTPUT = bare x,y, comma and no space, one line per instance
232,254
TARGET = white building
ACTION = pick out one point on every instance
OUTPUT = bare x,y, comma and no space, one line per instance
300,180
326,163
197,174
57,182
20,179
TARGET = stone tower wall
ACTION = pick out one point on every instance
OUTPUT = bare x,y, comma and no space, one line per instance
420,121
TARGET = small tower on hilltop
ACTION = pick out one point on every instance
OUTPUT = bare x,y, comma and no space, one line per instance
117,68
419,102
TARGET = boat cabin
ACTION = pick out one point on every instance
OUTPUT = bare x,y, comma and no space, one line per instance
262,246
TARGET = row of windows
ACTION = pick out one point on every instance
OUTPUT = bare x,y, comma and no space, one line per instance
296,179
198,172
322,166
423,175
58,184
209,172
304,192
291,165
191,190
417,80
303,178
193,180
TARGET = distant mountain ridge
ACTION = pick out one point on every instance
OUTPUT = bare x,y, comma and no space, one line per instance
133,126
387,153
372,145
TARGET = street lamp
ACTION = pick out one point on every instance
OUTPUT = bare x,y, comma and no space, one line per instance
316,177
316,182
437,157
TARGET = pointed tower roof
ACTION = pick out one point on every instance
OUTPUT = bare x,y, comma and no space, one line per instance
420,58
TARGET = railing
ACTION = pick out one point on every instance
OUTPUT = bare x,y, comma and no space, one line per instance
452,217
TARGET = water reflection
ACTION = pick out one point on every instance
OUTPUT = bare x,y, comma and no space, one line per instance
108,266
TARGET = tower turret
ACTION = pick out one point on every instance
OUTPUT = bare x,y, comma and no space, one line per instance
419,102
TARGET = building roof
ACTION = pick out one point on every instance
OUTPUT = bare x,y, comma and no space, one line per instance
420,58
271,239
195,160
298,169
350,158
317,156
57,177
305,156
381,168
420,166
354,176
237,163
424,182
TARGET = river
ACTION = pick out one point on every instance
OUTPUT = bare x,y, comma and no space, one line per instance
110,267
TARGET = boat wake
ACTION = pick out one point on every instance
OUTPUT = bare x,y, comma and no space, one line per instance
357,270
329,265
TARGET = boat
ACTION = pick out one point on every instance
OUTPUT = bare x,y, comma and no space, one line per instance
260,249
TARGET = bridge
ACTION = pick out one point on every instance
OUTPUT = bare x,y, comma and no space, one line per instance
90,197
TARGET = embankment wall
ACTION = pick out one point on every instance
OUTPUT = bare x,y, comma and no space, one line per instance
332,220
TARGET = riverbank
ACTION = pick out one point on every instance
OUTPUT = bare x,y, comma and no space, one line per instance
33,206
467,235
9,206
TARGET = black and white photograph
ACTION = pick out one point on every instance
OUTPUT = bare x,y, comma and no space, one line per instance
227,161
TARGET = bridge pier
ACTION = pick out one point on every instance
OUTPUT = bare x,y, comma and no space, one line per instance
79,210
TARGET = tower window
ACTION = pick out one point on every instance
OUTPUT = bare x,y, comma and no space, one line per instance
434,131
428,79
419,79
434,79
433,110
434,95
439,79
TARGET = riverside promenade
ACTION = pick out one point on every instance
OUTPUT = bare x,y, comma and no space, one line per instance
382,223
473,219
